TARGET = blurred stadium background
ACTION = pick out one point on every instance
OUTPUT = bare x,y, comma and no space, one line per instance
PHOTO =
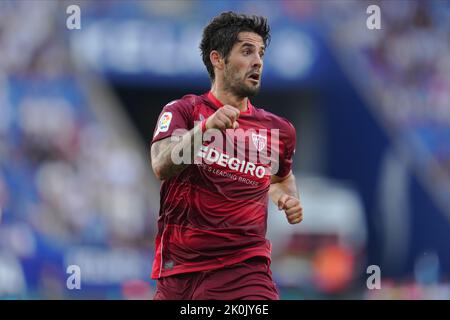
371,108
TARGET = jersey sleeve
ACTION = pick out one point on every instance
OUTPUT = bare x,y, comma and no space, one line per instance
175,115
289,140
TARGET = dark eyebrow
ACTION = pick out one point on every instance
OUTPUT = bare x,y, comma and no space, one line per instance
247,44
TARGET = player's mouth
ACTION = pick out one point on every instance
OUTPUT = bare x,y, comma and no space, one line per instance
254,77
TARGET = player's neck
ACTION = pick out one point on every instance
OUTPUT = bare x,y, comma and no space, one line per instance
227,98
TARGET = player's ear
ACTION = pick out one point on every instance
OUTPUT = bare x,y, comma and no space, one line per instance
216,59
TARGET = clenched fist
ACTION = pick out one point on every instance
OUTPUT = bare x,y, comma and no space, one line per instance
224,118
292,208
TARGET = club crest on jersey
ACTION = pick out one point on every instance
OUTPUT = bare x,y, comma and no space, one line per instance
259,141
164,122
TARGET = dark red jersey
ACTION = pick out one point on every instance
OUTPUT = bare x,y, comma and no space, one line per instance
214,213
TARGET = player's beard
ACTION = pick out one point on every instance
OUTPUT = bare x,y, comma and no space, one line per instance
236,84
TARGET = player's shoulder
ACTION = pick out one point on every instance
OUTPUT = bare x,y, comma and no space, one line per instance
275,121
187,101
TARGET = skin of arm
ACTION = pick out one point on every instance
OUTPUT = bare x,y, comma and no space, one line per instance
161,154
284,193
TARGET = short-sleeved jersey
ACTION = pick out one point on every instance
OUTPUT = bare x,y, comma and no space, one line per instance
214,212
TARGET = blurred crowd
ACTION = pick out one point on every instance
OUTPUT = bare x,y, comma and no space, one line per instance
67,178
407,64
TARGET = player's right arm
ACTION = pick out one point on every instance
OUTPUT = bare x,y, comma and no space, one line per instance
161,151
161,154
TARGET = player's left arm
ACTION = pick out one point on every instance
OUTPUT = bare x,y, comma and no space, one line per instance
283,192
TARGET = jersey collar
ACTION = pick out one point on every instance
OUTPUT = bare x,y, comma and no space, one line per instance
219,104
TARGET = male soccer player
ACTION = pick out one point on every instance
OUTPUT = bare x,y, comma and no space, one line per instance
211,241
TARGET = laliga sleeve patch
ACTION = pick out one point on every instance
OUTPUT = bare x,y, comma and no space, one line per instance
164,122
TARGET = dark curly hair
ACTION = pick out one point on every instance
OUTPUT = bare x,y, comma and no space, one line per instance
222,33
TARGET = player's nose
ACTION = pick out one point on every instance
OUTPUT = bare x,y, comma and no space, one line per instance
257,62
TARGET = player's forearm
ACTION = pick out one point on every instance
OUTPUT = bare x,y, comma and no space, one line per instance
163,166
164,152
287,186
